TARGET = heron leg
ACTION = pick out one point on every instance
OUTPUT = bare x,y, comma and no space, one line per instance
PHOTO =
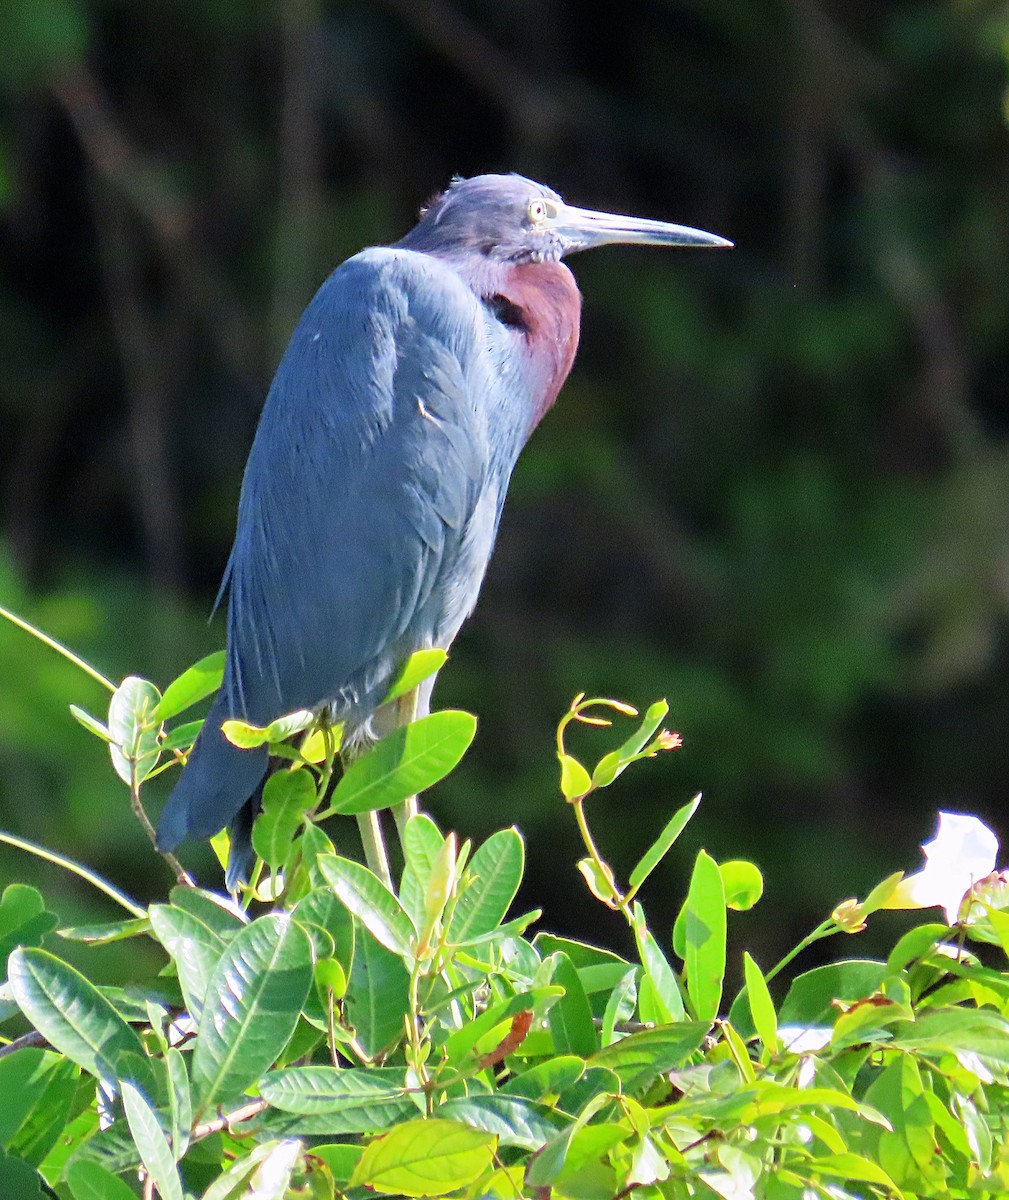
406,712
374,846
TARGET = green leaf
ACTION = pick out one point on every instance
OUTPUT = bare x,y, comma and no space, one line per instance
488,886
134,729
194,947
371,902
23,918
810,999
23,1077
620,1005
248,737
404,763
460,1043
640,1058
514,1120
378,1092
45,1123
180,1103
244,1178
571,1017
152,1144
418,667
19,1179
743,884
422,843
201,680
251,1007
90,1181
660,847
546,1080
425,1158
70,1013
575,780
90,723
104,932
705,933
287,796
377,994
182,736
761,1005
323,909
658,972
221,913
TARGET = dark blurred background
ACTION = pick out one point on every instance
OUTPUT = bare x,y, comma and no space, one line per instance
775,489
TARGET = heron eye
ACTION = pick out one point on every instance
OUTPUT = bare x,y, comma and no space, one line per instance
539,210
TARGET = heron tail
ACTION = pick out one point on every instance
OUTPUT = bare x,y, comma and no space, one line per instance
214,787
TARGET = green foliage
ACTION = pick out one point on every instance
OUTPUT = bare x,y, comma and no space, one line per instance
342,1037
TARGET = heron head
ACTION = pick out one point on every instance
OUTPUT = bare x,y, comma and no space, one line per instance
513,219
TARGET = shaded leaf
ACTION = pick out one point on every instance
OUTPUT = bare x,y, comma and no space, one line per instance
377,994
640,1058
155,1152
194,947
287,796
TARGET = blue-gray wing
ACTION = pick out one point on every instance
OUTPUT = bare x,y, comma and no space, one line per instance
367,514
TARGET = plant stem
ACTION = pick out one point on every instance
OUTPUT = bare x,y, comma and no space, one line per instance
374,846
53,644
181,874
601,867
68,864
821,931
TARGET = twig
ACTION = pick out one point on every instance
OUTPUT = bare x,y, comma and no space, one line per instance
228,1120
181,874
26,1039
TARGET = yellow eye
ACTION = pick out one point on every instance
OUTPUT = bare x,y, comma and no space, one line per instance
539,210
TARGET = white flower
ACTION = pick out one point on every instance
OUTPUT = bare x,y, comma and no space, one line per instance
963,852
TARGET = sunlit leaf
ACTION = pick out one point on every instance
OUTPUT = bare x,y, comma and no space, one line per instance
418,667
640,1058
70,1013
377,994
151,1143
660,847
201,680
195,948
488,886
287,796
90,1181
425,1158
761,1005
705,933
405,763
134,729
743,884
575,780
371,902
251,1008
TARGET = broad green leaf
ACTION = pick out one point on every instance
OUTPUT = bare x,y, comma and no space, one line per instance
620,1005
854,1168
660,847
194,947
182,736
514,1120
19,1179
287,796
45,1122
546,1080
221,913
134,729
575,780
488,886
377,994
201,680
251,1008
371,902
640,1058
272,1171
425,1158
705,933
70,1013
23,918
571,1017
90,1181
582,954
180,1102
761,1005
810,999
422,843
743,884
105,932
237,1182
418,667
22,1082
321,908
90,723
655,714
152,1144
551,1159
460,1043
952,1030
658,972
341,1160
248,737
112,1148
405,763
309,1090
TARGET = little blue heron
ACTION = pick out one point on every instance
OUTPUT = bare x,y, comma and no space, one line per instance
374,487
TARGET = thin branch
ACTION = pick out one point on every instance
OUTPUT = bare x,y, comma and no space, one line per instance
26,1039
227,1121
